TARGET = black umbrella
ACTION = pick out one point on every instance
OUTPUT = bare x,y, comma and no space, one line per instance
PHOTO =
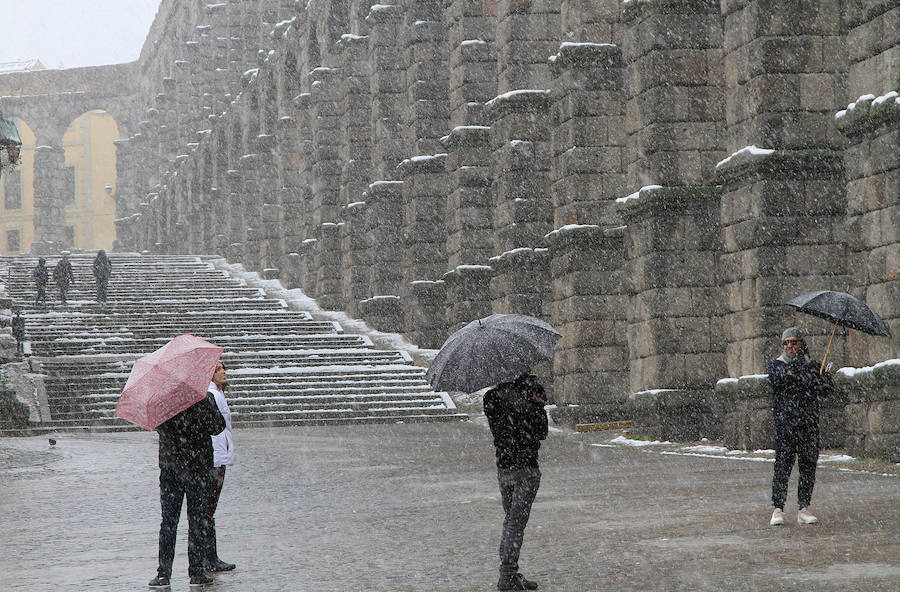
842,309
491,350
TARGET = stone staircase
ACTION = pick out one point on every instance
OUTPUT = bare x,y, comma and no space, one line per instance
285,367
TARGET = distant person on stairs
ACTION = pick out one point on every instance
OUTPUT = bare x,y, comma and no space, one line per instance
102,270
18,331
223,456
63,277
41,278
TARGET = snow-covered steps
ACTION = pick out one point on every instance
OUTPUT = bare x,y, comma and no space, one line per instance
285,367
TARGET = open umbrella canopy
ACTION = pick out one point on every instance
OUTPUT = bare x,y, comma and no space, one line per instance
491,350
168,381
841,308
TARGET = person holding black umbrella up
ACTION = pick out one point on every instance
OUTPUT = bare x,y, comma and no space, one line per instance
518,422
797,385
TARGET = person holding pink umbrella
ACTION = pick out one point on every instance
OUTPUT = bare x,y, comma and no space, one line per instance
166,391
185,460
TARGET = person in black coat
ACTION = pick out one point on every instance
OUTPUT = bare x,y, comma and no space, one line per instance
18,331
185,460
64,277
518,422
796,388
102,268
41,279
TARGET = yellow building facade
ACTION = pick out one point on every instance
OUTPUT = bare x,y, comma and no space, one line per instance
90,160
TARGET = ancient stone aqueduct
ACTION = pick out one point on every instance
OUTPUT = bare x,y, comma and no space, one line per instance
655,178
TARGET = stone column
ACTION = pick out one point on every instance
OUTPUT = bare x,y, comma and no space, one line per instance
357,253
674,94
383,224
591,21
425,247
783,202
527,34
468,295
327,167
587,168
427,77
425,313
872,165
521,282
676,341
424,217
357,115
50,189
589,301
523,212
251,206
871,123
473,61
470,232
271,227
388,89
290,164
384,209
328,262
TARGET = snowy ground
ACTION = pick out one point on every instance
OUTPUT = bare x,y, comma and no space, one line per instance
415,507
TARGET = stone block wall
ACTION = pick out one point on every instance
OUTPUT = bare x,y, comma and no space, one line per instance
398,145
588,307
862,417
675,334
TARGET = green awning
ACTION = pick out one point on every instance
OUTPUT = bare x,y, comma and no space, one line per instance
9,133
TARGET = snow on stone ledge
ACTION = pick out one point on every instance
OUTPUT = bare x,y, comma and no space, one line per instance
637,194
863,99
568,228
745,153
851,372
568,44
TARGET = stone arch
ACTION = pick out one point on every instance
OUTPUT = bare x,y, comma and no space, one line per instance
90,161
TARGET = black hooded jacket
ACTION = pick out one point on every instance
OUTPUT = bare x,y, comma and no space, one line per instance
184,440
796,388
518,423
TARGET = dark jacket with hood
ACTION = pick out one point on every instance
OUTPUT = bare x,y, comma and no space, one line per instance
184,440
518,422
796,388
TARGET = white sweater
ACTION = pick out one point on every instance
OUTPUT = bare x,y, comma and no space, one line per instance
223,444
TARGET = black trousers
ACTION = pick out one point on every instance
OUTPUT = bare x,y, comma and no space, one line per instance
174,486
101,290
217,480
801,443
518,488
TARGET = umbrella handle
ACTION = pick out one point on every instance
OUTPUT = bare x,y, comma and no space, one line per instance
825,357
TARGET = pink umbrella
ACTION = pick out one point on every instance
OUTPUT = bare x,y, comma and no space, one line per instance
168,381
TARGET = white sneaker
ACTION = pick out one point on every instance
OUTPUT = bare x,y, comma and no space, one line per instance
804,517
777,518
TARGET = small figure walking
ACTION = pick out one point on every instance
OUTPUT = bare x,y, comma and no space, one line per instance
518,422
102,270
41,279
63,276
18,331
796,388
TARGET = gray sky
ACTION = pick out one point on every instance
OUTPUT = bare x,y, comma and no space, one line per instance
74,33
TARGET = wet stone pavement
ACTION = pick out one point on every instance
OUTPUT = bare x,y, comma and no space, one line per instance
415,507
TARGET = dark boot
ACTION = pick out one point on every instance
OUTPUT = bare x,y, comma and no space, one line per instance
516,582
213,563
